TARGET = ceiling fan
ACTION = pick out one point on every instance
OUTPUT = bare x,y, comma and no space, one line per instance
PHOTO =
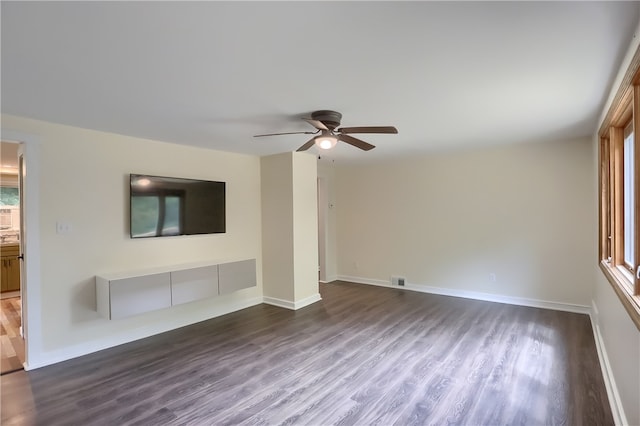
327,137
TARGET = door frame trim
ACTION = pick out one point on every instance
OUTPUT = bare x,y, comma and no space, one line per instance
32,293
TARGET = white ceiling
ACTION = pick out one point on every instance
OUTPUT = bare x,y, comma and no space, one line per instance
212,74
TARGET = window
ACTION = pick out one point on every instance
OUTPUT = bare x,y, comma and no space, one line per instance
9,196
619,184
629,205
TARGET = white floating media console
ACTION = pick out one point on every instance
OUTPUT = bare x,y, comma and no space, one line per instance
130,293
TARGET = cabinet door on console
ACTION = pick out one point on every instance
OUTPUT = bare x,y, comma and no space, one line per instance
136,295
188,285
235,276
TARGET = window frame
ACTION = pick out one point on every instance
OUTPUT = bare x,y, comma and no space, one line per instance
624,111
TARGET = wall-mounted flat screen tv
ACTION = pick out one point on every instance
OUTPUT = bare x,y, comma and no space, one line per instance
167,206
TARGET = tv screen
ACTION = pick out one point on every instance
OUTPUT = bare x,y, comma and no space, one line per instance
166,206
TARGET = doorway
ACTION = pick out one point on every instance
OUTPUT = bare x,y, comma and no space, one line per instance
323,202
12,353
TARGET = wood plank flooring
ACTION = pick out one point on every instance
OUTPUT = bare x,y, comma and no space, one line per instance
11,343
362,356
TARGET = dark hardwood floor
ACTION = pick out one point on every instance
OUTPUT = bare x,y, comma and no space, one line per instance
362,356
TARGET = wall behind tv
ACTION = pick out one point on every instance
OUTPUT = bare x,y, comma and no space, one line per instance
84,182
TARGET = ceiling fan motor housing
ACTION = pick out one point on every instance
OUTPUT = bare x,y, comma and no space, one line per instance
331,119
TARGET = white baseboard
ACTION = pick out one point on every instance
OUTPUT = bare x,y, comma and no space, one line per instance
488,297
292,305
308,301
53,357
360,280
617,410
281,303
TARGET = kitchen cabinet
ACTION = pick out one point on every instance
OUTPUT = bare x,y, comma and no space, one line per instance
10,275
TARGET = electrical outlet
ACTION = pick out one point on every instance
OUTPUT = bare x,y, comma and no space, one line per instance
399,281
63,227
492,277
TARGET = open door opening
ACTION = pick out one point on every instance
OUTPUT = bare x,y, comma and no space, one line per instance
322,230
12,356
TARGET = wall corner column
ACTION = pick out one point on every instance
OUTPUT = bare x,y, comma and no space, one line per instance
290,229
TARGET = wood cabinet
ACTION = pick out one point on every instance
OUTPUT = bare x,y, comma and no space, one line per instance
10,275
135,292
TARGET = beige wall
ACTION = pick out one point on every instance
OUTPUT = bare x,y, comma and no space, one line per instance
84,181
305,225
621,341
449,220
290,236
277,226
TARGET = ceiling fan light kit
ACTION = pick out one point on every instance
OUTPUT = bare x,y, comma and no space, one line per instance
326,141
326,121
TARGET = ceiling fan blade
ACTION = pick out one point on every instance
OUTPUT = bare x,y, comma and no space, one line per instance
356,142
317,124
307,145
369,129
288,133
